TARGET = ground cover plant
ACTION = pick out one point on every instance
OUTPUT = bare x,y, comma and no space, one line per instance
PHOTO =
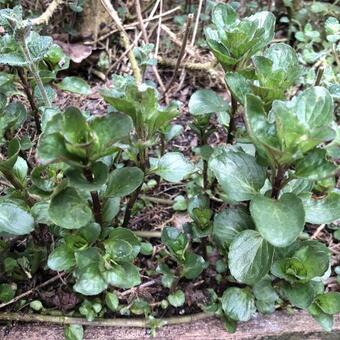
74,184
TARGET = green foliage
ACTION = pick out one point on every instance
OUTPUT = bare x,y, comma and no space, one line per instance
247,205
234,41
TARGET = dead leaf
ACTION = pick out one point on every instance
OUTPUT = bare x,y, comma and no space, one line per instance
76,52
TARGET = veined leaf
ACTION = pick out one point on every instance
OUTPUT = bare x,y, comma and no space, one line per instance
69,210
240,177
281,221
321,210
14,219
238,304
250,257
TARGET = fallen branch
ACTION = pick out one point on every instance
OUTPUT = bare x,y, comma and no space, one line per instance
148,234
125,38
318,231
118,322
178,42
47,15
146,40
29,292
181,53
208,66
196,22
133,25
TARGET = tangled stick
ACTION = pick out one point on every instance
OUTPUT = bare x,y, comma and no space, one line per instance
46,16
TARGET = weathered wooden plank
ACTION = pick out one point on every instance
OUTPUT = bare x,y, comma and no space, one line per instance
280,325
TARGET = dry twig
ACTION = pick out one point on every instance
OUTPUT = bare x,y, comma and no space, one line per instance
181,53
196,23
29,292
47,15
146,40
114,15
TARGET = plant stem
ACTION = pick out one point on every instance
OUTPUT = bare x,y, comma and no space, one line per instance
129,206
143,161
232,123
11,178
30,98
118,322
96,206
319,75
204,141
35,72
278,180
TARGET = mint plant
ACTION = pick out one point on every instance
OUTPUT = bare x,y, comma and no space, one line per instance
276,178
66,205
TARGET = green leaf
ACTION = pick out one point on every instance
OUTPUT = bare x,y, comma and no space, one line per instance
238,304
204,102
223,15
124,181
75,85
11,53
298,294
38,97
314,166
73,332
40,212
262,131
42,178
193,265
52,148
12,116
321,210
14,219
250,257
281,221
109,129
112,301
278,68
36,305
61,258
7,292
177,299
263,290
325,320
110,210
305,121
229,223
69,210
146,248
240,177
233,40
141,104
329,302
74,126
12,156
122,245
124,275
309,261
78,180
89,273
173,167
14,13
90,232
238,85
175,240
